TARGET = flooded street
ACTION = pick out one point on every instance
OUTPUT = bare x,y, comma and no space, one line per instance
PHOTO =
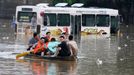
97,55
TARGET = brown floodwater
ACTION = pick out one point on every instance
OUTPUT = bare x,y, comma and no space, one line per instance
97,55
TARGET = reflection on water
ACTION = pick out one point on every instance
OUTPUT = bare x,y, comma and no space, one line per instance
97,55
41,67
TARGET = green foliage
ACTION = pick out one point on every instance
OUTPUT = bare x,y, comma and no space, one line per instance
66,1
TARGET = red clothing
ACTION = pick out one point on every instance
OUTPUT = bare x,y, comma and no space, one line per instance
46,45
65,30
38,46
48,37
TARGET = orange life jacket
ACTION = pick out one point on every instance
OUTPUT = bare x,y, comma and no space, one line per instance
47,44
38,46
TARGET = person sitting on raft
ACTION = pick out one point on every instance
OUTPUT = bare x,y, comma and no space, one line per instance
52,46
48,35
62,48
33,40
41,46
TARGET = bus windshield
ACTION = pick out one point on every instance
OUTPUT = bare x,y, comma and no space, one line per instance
25,16
63,20
88,20
50,19
102,20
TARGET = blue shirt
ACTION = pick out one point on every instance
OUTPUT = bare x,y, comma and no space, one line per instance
32,41
52,46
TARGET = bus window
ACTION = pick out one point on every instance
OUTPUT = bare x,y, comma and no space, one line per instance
25,16
114,21
88,20
102,20
114,24
50,19
63,20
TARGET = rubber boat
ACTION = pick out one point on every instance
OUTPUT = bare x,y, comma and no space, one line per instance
48,57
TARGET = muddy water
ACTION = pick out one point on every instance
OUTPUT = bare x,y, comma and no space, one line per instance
97,55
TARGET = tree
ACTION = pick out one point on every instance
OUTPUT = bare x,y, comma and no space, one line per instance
66,1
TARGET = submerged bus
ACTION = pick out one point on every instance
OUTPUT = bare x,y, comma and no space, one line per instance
23,18
72,19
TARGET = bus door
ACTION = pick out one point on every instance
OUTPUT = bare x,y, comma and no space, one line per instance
49,24
76,26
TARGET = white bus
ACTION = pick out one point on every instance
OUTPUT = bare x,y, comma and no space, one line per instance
24,15
73,20
98,20
86,20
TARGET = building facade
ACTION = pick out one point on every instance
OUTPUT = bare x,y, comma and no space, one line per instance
7,7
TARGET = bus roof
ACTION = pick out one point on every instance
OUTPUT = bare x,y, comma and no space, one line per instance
26,8
103,11
71,10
